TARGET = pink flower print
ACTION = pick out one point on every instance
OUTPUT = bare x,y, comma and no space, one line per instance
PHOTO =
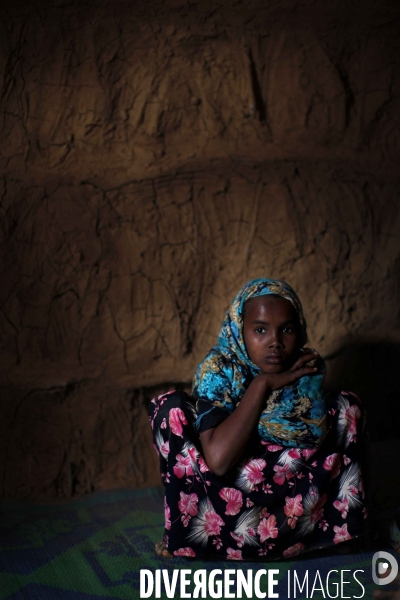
310,477
163,424
267,488
264,513
300,475
188,504
254,470
165,448
307,452
234,500
332,412
294,453
218,543
185,520
165,477
159,401
282,473
251,531
346,460
182,466
365,512
353,490
239,539
293,509
176,418
167,515
267,528
293,550
203,465
213,523
317,512
341,534
185,552
323,525
343,507
351,415
332,463
314,463
249,503
234,554
193,453
272,447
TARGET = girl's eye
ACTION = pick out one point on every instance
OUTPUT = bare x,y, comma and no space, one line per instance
288,330
259,330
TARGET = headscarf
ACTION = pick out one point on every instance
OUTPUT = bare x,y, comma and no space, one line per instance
294,415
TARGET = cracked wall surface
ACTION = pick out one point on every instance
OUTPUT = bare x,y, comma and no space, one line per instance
154,157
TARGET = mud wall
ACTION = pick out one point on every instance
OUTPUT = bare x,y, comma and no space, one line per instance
154,157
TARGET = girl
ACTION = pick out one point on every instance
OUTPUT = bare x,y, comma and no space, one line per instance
263,462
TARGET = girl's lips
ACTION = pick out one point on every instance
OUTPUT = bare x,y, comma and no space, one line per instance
275,360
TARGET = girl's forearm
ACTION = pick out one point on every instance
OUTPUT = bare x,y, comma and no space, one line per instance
223,445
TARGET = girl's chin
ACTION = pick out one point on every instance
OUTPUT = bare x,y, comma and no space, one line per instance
273,369
277,368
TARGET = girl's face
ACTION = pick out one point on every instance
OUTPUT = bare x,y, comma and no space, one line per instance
271,333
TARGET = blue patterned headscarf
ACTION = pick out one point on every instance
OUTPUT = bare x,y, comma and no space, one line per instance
294,415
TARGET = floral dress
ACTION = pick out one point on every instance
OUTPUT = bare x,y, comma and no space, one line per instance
276,502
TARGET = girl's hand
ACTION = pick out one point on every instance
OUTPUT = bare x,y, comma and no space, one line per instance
274,381
224,444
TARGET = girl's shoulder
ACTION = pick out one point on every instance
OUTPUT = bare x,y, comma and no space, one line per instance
217,363
221,362
220,374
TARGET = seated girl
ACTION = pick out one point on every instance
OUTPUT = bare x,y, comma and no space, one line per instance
261,462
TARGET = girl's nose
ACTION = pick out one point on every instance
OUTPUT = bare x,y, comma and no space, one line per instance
275,340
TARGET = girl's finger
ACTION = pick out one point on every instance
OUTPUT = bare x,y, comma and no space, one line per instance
304,359
296,374
306,371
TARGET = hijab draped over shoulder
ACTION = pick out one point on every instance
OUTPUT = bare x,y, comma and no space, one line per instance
294,415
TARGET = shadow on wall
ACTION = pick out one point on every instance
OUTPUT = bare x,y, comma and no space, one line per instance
371,370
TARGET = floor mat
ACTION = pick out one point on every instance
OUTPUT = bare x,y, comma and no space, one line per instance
95,548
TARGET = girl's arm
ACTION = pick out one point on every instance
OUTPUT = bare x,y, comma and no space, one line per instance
223,445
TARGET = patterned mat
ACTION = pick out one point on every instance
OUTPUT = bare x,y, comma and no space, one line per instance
94,548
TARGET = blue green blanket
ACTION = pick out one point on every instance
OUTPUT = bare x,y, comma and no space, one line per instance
95,548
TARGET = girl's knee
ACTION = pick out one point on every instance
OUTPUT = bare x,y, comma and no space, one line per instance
161,406
334,400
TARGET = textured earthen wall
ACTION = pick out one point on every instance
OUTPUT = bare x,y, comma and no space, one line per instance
154,157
